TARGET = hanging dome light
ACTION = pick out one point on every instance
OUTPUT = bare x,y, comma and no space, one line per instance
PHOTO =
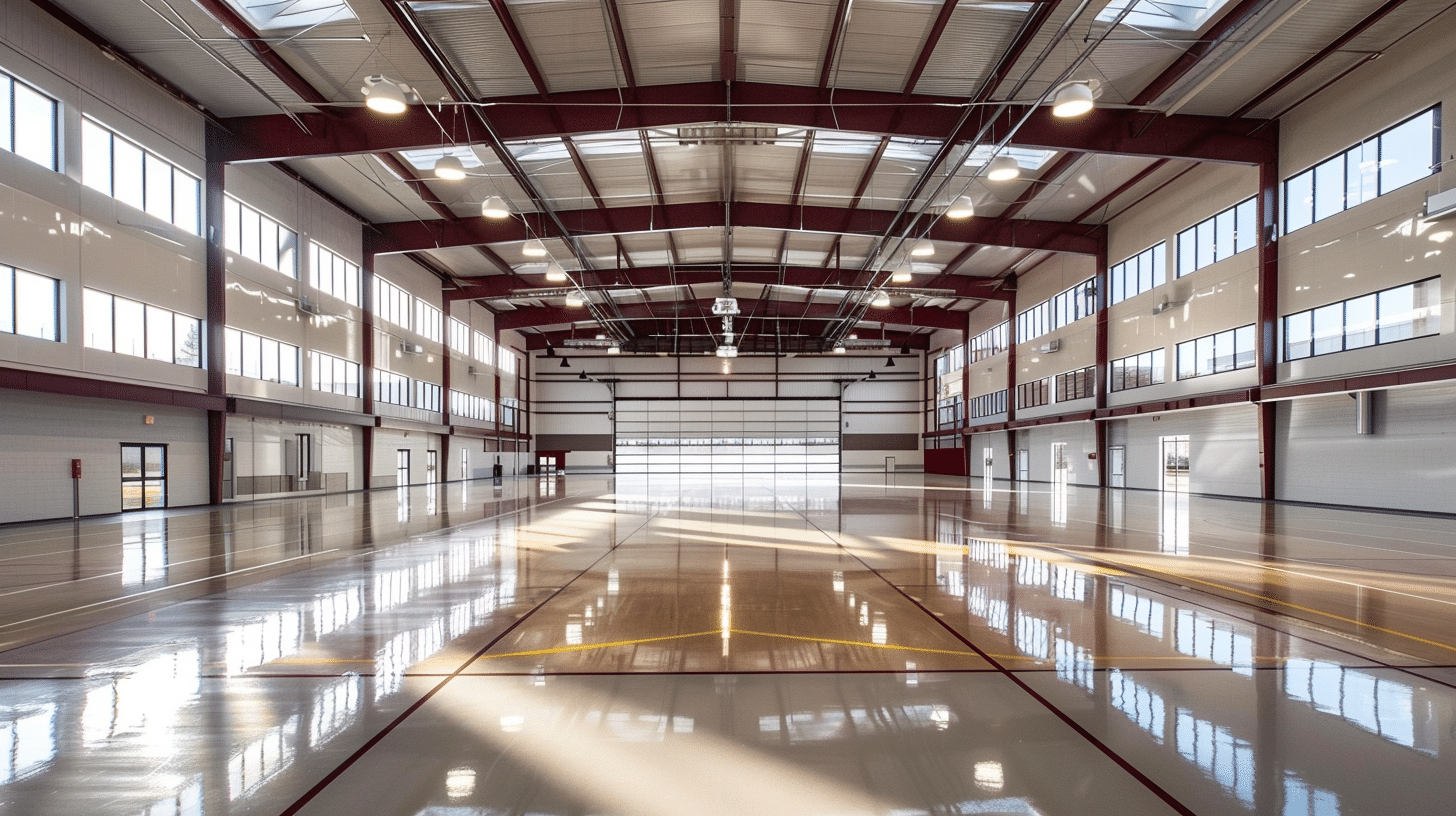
1072,99
923,248
384,95
555,273
963,207
495,207
838,348
881,301
449,168
574,301
1003,168
534,248
903,273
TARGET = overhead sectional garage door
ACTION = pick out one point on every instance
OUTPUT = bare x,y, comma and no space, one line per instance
724,436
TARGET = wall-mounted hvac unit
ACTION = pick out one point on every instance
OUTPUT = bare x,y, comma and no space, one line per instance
411,348
471,371
1166,305
308,306
1050,347
1441,205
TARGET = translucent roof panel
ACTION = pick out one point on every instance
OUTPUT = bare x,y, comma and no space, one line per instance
291,15
1163,16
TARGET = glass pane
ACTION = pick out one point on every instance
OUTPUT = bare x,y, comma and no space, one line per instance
232,225
7,299
1187,251
35,126
1186,360
156,494
7,126
1329,188
96,316
1204,352
35,305
159,188
287,364
248,228
1361,173
159,334
1396,314
1299,201
1246,226
268,236
1406,152
131,496
131,461
1360,322
95,156
252,356
1329,328
1223,351
1427,302
127,173
186,197
1298,329
234,340
130,327
1159,255
1204,232
1223,235
1245,349
188,337
1157,365
270,360
1114,278
154,460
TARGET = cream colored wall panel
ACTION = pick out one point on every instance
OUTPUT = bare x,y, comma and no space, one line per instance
1000,456
981,318
35,234
1222,296
1056,274
1223,445
1077,348
1376,245
266,311
125,368
1080,439
41,434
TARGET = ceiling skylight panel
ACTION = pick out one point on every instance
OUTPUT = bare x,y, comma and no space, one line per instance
292,15
1164,16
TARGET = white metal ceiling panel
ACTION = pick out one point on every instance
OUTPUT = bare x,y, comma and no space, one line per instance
784,42
366,187
471,37
671,41
881,43
972,42
765,173
570,42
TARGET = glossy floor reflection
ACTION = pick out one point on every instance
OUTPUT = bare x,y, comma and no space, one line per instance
858,644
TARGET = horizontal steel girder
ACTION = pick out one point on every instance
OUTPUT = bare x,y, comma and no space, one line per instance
497,287
349,130
753,311
415,236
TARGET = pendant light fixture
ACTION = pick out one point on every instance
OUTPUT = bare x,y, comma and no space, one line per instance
534,248
495,207
449,168
1072,99
384,95
903,273
923,248
960,209
1003,168
555,272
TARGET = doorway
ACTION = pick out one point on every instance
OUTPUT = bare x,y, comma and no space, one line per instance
988,464
402,467
1023,465
1060,467
1117,466
432,467
304,464
143,477
1176,472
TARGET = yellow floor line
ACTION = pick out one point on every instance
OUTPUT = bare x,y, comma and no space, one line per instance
963,653
589,646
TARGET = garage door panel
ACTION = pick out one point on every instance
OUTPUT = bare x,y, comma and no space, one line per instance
724,436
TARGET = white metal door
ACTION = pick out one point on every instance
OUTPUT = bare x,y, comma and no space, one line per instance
1117,466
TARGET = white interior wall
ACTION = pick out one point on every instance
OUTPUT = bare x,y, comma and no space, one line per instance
1408,463
1223,452
40,435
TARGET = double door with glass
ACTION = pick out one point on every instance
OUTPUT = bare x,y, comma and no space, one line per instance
143,476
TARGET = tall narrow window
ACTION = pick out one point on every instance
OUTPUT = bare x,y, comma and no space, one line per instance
138,178
30,304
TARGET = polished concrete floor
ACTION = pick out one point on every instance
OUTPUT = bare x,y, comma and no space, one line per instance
864,644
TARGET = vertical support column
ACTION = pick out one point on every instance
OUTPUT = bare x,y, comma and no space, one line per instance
1011,341
1268,322
1100,388
961,438
213,185
366,351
